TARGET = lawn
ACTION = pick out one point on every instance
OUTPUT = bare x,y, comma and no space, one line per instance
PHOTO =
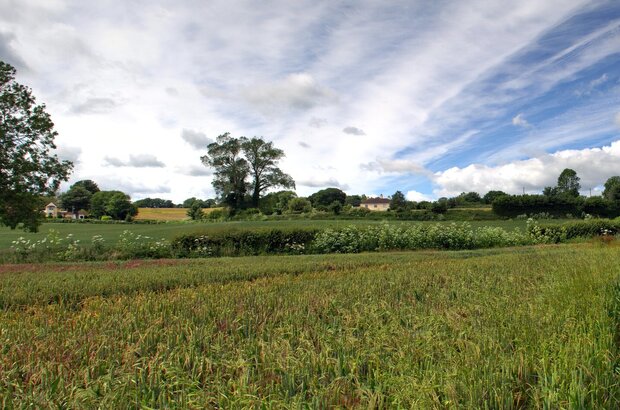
111,232
505,328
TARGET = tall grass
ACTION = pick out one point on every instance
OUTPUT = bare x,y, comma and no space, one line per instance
509,328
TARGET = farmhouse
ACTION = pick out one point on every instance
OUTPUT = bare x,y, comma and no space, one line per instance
376,204
51,210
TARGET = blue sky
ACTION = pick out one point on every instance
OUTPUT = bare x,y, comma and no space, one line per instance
430,98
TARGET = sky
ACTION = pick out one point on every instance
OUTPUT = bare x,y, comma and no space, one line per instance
429,98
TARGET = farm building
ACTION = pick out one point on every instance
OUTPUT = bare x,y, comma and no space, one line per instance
51,210
376,204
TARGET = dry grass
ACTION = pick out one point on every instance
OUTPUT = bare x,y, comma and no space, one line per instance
166,214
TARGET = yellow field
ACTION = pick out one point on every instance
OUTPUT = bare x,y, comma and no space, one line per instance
167,214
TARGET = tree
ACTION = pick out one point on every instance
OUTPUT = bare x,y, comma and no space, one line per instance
119,207
231,170
276,202
490,196
335,207
115,204
28,168
324,197
469,197
398,202
353,200
568,183
299,206
612,189
263,160
76,198
88,184
154,203
195,211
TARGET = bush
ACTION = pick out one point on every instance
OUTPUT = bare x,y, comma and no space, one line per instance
106,218
239,243
556,233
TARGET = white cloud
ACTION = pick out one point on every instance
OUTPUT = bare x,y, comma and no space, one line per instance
593,166
195,171
94,106
520,121
69,153
317,122
137,161
297,91
323,183
353,131
196,139
417,196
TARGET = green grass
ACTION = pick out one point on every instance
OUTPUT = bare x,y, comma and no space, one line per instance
512,328
110,232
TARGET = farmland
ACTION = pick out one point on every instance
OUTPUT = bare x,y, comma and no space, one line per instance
509,328
111,232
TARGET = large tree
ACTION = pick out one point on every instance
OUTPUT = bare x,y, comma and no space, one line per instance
263,160
568,183
76,198
612,189
235,160
231,169
29,169
323,198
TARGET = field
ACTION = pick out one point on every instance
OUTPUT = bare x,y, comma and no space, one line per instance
511,328
111,232
162,214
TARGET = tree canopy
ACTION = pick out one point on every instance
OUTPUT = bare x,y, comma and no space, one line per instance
612,189
325,197
235,160
568,183
29,168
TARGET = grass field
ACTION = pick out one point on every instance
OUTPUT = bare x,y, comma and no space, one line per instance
111,232
531,327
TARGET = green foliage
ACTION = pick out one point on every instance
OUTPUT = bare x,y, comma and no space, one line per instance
29,170
115,204
354,200
568,183
557,233
195,212
299,206
398,202
263,160
323,198
90,185
232,169
559,205
490,196
335,207
154,203
612,189
239,243
276,202
76,198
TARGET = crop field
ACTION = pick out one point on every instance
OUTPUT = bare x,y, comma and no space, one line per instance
162,214
529,327
110,232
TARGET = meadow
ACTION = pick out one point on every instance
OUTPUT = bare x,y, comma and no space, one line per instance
111,232
527,327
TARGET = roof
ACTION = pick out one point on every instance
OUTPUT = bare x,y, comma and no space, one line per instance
51,204
376,201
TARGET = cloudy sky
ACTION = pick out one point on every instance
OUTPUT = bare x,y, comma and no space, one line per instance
430,98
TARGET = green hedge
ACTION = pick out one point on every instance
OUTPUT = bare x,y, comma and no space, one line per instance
239,243
556,233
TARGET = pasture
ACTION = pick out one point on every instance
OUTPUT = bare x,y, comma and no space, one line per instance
503,328
110,232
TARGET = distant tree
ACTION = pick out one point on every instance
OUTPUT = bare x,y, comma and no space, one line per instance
299,206
276,202
490,196
568,183
398,202
439,207
76,198
189,202
324,197
28,169
115,204
263,159
550,191
195,211
335,207
231,170
119,207
88,184
154,203
470,197
612,189
353,200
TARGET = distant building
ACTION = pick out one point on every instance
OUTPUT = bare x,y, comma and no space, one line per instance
51,210
376,204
